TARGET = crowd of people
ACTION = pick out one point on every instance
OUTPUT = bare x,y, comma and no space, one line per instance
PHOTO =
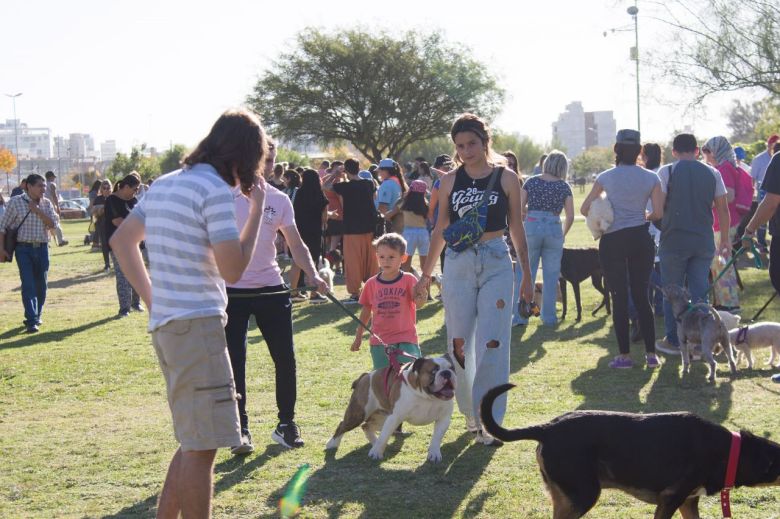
202,249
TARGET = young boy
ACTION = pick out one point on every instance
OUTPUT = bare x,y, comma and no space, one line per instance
388,299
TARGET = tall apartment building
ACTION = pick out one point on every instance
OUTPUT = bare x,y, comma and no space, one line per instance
34,143
108,150
578,130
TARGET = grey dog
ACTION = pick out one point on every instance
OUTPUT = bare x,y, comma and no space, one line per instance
698,324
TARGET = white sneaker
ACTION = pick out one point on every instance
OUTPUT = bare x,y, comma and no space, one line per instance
486,439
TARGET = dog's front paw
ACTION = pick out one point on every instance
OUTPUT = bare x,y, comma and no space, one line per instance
434,455
375,454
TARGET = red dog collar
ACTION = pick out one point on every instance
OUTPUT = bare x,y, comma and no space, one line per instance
731,474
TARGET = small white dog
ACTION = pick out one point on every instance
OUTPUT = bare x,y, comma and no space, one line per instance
325,272
729,320
600,216
759,335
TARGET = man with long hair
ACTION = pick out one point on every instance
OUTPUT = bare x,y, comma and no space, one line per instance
188,221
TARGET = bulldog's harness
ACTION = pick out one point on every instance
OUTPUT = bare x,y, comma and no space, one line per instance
742,335
394,371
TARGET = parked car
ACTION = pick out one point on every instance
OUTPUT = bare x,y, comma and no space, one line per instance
71,210
83,202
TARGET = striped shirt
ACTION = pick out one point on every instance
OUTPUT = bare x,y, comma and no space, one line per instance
185,213
33,229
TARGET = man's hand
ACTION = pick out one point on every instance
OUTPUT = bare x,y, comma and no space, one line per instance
316,280
257,195
356,344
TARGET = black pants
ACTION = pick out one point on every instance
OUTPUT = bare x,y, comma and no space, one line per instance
627,259
273,315
774,262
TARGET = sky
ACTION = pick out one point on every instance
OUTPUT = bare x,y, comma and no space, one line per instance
161,72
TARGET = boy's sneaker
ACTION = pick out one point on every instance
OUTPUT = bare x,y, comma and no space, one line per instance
664,346
287,435
246,445
486,439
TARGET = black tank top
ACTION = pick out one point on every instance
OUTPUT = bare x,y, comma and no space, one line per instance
467,192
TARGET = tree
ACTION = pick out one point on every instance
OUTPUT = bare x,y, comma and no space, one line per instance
743,118
378,92
147,167
7,160
592,160
722,45
171,159
527,151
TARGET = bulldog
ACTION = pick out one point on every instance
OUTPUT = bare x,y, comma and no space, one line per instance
381,400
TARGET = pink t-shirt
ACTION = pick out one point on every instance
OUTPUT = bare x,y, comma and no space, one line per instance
263,271
729,175
393,312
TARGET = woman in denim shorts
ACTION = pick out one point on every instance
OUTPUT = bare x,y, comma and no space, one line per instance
478,285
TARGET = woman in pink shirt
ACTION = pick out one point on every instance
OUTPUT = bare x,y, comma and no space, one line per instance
719,154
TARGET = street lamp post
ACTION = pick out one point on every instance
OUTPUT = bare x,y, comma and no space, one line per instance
634,11
16,137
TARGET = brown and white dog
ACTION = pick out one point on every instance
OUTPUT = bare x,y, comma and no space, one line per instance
422,394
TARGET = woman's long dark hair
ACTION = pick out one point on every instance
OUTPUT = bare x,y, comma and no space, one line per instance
310,193
236,139
415,202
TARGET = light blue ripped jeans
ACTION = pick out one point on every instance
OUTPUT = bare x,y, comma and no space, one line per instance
545,241
477,296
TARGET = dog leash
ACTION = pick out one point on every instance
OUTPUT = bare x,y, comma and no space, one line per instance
774,295
245,295
391,351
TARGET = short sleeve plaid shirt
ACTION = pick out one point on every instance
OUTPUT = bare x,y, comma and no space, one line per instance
33,229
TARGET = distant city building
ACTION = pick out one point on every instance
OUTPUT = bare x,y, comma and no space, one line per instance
578,130
108,150
34,143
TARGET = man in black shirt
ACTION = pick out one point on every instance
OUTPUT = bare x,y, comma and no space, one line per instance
768,210
357,197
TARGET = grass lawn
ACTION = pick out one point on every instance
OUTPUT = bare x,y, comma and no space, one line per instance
85,430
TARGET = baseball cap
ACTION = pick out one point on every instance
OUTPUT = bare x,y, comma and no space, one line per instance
442,160
366,175
418,186
739,151
627,136
386,164
773,139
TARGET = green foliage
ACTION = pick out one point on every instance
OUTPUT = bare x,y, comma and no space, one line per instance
170,160
769,122
147,167
428,148
527,151
379,92
86,428
292,157
722,45
592,160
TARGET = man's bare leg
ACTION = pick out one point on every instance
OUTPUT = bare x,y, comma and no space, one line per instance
168,506
195,483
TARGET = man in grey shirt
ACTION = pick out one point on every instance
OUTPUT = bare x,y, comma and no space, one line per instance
687,246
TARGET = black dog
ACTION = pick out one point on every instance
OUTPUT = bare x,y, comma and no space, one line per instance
581,452
577,265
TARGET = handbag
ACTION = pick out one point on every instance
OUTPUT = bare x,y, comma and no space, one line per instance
467,230
10,239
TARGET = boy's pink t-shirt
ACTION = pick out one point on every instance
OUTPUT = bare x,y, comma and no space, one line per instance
263,271
393,312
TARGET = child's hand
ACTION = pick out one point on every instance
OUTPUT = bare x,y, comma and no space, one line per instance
356,345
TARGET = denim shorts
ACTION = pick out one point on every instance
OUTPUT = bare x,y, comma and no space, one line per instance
417,240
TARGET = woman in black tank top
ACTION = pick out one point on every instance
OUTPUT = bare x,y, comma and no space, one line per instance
477,289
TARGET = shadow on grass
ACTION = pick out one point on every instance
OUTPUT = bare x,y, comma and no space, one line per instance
32,339
146,509
354,479
237,469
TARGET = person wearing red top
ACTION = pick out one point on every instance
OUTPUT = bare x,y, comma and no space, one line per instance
389,300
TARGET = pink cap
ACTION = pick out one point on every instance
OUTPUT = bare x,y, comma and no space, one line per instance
418,186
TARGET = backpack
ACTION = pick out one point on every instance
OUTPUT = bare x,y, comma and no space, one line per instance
743,192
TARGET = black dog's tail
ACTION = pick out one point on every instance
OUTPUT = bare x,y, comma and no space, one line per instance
506,435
